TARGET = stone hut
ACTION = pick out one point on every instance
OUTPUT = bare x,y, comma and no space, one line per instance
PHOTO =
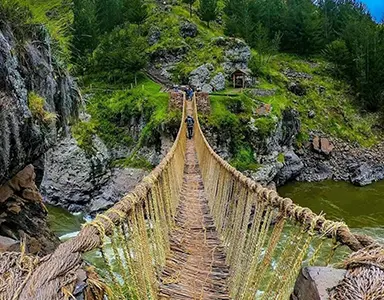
241,77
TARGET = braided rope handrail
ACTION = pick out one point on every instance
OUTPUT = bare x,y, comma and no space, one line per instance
57,272
67,257
301,215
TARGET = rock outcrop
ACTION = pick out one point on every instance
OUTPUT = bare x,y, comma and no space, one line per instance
37,99
24,136
23,217
237,54
79,182
341,161
188,29
292,167
201,76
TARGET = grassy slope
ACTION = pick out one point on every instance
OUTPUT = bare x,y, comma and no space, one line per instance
335,112
113,110
57,17
336,115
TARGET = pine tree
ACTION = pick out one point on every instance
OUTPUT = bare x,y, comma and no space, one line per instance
236,15
135,11
120,55
208,10
84,39
302,30
190,3
108,14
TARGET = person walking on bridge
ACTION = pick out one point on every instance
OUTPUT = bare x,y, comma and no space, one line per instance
190,123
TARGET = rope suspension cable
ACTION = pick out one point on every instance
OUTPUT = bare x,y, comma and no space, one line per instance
266,237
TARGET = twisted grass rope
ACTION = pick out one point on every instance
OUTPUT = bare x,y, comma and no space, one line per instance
251,220
244,212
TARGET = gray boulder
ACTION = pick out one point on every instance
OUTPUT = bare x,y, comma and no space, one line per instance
311,114
364,174
218,82
200,75
266,173
207,88
154,35
291,74
188,29
297,88
262,92
292,167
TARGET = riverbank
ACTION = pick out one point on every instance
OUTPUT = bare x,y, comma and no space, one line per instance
344,162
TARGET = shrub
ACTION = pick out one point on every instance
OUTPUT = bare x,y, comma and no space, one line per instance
36,106
83,132
244,159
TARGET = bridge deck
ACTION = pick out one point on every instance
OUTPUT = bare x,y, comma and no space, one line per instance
195,268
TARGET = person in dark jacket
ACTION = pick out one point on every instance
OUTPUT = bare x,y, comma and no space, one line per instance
190,123
189,93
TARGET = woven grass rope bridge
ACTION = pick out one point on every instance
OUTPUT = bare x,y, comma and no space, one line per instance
196,228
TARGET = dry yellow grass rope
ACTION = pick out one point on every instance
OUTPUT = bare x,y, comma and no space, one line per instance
132,238
266,237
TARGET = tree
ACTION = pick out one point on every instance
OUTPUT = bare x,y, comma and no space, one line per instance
190,3
135,11
84,26
236,17
120,55
302,30
208,10
108,14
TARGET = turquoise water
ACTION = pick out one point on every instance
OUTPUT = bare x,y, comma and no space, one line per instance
63,223
362,208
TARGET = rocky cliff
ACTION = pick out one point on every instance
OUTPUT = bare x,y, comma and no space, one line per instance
23,217
37,100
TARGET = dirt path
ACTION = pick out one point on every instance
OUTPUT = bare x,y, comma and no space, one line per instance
196,267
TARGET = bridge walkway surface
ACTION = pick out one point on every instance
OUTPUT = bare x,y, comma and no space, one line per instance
196,267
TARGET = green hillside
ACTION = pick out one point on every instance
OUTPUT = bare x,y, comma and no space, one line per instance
112,56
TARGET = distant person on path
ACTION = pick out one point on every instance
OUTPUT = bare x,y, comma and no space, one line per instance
189,93
190,123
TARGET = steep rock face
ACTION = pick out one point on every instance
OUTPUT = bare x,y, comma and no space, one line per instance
78,182
23,70
23,215
37,99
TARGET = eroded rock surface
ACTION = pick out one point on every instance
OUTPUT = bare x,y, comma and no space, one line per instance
23,216
23,137
79,182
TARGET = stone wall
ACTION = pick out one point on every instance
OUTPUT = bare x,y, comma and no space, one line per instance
176,100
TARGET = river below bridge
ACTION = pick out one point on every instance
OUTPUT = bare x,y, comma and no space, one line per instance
362,208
